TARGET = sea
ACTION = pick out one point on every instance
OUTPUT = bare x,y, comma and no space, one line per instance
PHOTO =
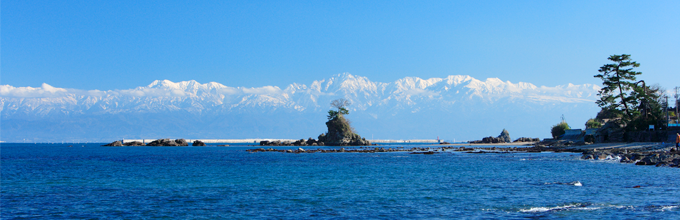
87,181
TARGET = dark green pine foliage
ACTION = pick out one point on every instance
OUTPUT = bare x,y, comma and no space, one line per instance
620,93
334,114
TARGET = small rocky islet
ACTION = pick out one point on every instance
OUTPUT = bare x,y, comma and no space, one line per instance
340,133
157,143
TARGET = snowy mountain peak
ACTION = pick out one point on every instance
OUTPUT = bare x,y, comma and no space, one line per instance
363,93
389,108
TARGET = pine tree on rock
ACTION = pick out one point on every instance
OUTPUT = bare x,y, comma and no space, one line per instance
340,132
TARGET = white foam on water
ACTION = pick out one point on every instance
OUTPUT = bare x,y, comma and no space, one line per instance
587,208
668,207
608,159
577,206
615,158
547,209
575,183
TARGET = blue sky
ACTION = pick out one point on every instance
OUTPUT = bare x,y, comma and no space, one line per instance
124,44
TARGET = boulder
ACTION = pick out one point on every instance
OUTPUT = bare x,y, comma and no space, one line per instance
527,139
168,143
198,143
115,144
300,142
626,159
181,142
134,143
649,160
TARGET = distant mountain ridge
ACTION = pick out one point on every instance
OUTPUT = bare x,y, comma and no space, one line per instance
212,101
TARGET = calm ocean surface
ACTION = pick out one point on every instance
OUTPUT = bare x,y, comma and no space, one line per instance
55,181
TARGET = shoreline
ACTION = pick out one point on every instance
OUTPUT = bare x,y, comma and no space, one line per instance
492,144
638,153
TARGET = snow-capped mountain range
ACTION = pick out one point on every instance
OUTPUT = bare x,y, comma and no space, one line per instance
214,107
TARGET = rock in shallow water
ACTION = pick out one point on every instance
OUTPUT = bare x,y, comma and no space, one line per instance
115,144
168,143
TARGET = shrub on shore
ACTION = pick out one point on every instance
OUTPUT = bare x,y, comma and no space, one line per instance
592,123
559,129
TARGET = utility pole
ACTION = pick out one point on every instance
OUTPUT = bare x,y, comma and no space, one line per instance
677,96
668,118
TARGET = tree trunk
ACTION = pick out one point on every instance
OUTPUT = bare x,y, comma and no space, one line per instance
625,105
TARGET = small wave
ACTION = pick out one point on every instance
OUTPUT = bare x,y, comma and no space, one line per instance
575,183
590,207
668,207
556,208
608,159
577,206
614,158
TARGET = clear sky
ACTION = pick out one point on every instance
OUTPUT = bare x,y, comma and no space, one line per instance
124,44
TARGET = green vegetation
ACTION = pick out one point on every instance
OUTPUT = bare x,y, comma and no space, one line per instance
618,78
608,114
559,129
340,104
593,123
635,103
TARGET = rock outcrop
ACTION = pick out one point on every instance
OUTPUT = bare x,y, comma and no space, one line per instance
134,143
198,143
120,144
114,144
301,142
527,139
168,143
340,133
504,137
664,158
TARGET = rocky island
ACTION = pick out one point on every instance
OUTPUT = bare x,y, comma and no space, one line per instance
504,137
340,131
157,143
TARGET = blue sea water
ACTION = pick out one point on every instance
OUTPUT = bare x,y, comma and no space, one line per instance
55,181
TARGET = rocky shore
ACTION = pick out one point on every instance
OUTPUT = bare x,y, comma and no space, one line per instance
420,150
660,155
637,153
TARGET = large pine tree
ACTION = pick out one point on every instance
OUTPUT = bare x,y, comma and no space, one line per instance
620,92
